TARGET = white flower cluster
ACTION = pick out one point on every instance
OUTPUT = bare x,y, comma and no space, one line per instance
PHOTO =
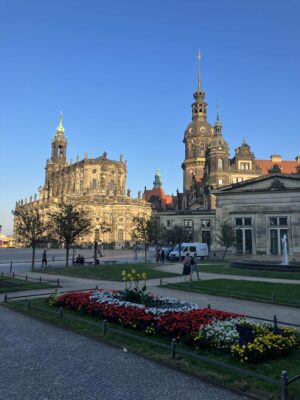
223,334
112,298
161,305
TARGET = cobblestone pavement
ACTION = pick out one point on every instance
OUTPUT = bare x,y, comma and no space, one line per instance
43,362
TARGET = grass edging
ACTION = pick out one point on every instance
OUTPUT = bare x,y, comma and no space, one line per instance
154,351
187,287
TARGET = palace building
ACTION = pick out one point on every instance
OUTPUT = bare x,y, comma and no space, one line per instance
96,185
211,176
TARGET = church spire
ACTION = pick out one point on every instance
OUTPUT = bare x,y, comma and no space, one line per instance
218,124
60,128
199,106
199,81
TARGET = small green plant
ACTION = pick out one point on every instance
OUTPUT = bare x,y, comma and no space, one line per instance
132,291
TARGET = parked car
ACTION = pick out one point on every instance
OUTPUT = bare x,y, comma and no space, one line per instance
201,250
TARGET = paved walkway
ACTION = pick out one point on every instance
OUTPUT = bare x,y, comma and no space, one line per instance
43,362
261,310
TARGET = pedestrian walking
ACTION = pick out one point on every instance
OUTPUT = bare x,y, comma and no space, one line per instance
162,256
186,266
194,267
44,259
157,255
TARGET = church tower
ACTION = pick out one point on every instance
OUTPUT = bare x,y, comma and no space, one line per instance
197,137
59,144
217,159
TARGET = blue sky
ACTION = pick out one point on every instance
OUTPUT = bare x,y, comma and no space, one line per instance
124,72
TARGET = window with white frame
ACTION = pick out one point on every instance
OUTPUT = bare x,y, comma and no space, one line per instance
278,228
243,234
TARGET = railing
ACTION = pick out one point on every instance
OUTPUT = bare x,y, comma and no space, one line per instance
27,278
173,346
285,381
228,292
105,328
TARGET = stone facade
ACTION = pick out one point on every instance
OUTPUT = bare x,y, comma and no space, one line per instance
96,185
262,210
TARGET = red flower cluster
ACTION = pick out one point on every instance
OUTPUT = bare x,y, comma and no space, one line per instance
172,324
179,324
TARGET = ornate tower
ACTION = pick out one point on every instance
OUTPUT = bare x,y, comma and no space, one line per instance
59,144
157,184
197,137
217,159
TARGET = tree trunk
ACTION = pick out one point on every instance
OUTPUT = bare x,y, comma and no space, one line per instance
33,256
67,254
225,252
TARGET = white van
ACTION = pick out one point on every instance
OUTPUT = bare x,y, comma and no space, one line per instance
201,250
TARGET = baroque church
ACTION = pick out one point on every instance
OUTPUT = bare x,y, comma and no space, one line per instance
96,185
210,176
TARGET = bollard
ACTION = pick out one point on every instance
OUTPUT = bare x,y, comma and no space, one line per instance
208,306
273,296
191,284
104,327
10,269
284,385
160,282
2,273
227,291
29,305
173,348
61,312
13,274
26,277
275,322
40,279
5,298
96,287
57,282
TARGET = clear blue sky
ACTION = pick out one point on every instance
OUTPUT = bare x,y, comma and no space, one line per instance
123,73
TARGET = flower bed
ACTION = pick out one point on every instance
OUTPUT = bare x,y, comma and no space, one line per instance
198,327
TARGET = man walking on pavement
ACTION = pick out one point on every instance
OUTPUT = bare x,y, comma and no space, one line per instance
44,259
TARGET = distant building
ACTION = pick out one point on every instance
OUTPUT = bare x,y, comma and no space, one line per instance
157,197
96,185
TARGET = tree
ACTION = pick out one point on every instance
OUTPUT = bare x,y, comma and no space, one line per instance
225,235
29,227
103,228
174,235
68,225
144,231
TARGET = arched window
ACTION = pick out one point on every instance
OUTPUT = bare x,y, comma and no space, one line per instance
94,184
111,186
220,164
120,235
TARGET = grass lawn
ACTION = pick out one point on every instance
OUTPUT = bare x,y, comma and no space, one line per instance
219,267
109,272
279,293
8,284
133,341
